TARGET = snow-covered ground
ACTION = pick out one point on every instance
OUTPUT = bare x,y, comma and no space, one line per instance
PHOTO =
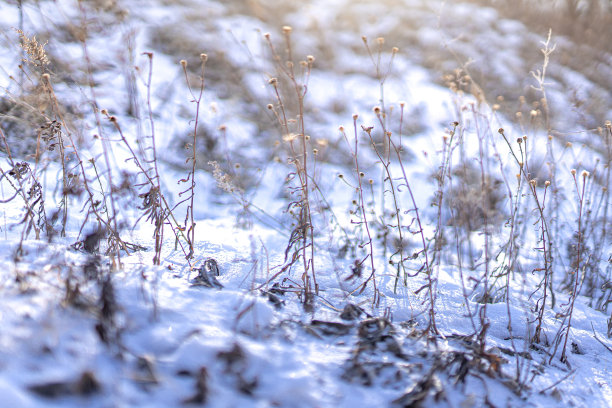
79,328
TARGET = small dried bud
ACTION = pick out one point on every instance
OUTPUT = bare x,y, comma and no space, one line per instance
223,128
533,113
500,131
364,39
310,59
315,151
307,137
183,63
46,77
267,36
340,175
237,165
303,64
361,174
568,144
550,137
547,183
270,106
287,29
113,119
273,81
341,128
371,181
519,114
525,137
608,124
402,104
394,50
533,182
573,171
104,112
500,98
289,64
519,140
376,110
354,202
355,116
585,174
204,57
380,40
496,106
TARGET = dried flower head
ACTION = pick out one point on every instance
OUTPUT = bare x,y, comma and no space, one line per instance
585,174
287,29
547,183
35,51
355,116
290,137
183,63
310,59
380,40
394,50
273,81
204,57
573,171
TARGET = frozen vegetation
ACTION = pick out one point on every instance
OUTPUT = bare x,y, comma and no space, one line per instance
305,204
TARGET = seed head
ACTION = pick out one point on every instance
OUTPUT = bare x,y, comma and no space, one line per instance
183,63
573,171
547,183
585,174
204,57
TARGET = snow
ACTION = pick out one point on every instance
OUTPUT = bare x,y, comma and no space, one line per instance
147,335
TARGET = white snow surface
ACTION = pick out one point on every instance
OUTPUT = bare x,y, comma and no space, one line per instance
252,344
